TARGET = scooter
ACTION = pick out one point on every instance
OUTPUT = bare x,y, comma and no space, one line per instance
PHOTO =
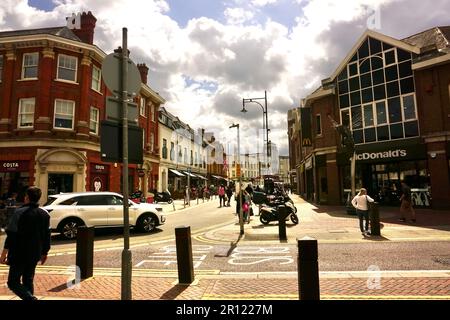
269,214
271,206
163,197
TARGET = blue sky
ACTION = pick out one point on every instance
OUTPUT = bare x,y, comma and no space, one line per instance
205,56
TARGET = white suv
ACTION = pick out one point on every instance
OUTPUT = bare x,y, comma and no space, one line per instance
68,211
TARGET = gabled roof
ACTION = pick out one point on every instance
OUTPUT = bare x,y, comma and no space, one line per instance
376,35
63,32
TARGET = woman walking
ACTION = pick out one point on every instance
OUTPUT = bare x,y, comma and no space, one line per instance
361,203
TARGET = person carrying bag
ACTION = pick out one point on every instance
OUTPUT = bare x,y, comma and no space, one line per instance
361,204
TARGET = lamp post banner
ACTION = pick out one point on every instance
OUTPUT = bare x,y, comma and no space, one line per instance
305,120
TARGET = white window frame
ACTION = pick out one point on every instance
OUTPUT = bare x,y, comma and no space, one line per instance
30,66
373,115
96,84
142,106
72,115
153,111
64,67
96,121
395,58
22,103
385,111
152,142
348,70
403,108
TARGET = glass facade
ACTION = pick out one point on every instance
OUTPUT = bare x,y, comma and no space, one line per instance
377,95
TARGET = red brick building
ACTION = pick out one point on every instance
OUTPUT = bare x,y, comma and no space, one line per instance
394,97
52,99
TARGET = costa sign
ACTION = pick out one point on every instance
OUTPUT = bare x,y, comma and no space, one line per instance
12,166
390,154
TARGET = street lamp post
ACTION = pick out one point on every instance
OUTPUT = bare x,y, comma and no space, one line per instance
241,218
265,117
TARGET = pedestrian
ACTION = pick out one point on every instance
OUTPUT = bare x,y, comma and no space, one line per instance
361,203
27,242
229,192
406,203
221,193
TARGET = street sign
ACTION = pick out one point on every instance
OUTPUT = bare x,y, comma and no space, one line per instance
114,110
111,142
112,69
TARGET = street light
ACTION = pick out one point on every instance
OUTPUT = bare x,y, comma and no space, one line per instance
241,218
265,117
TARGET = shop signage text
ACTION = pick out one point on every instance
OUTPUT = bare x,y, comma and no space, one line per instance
391,154
13,166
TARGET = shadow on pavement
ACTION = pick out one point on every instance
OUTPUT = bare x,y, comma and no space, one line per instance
174,292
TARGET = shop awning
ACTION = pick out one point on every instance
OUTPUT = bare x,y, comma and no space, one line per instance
218,177
200,176
178,173
190,174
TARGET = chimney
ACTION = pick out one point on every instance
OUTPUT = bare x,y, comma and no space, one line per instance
87,26
143,70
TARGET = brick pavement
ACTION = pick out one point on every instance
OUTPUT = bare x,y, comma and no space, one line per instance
323,222
236,287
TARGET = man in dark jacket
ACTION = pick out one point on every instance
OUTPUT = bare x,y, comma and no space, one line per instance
27,243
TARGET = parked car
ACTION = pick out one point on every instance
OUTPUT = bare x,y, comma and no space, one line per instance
68,211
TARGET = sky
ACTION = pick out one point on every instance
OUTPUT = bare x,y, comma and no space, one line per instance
205,56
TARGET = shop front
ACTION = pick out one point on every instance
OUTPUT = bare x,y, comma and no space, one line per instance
14,179
380,168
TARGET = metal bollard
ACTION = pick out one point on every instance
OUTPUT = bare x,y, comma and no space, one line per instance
85,251
282,213
374,219
184,255
308,269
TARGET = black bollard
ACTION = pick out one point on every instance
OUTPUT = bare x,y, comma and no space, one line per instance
85,251
282,213
184,255
308,269
374,219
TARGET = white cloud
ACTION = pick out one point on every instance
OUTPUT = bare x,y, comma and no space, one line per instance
237,15
239,58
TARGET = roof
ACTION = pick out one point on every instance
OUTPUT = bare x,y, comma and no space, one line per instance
437,37
63,32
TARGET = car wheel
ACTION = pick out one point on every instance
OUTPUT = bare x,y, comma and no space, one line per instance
294,218
69,228
146,223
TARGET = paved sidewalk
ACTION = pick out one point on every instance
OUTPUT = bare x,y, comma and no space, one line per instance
327,224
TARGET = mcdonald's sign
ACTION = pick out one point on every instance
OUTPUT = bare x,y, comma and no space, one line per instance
306,128
306,142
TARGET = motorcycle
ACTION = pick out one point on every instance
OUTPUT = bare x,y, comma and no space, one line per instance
164,196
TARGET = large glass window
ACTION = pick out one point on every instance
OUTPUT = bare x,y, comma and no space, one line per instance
30,65
67,68
26,113
376,93
64,111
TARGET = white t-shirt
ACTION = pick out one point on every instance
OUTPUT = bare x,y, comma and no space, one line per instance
360,202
